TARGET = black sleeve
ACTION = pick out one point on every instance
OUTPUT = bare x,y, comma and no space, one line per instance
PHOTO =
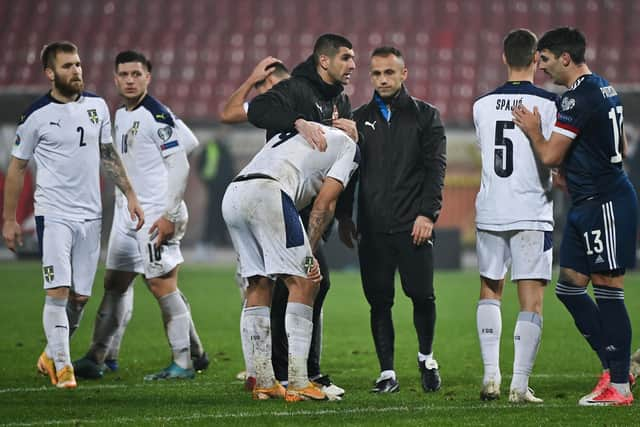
275,109
434,154
344,108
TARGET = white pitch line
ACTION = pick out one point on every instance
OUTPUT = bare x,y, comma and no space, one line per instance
98,386
240,415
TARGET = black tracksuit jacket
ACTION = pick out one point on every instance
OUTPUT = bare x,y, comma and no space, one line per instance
402,167
304,95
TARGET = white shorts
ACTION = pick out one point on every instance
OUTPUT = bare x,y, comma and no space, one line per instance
70,252
131,250
266,229
529,252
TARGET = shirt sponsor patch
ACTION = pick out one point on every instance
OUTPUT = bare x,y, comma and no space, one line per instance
567,104
168,145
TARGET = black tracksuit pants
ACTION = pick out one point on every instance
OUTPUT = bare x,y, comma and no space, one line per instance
380,255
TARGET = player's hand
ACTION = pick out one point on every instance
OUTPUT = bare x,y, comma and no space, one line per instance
559,180
12,234
161,231
348,232
260,72
314,274
348,126
422,230
313,133
135,210
526,120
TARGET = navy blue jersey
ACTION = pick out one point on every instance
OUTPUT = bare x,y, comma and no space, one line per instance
590,113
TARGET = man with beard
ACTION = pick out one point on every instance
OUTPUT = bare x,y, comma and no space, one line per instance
401,178
153,144
62,132
313,95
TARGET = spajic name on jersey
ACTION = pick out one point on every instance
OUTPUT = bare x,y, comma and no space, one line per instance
507,104
93,116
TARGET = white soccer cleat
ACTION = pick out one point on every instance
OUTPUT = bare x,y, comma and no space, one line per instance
635,364
325,384
517,396
490,390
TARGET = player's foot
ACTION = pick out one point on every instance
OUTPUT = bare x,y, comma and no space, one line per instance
333,392
88,369
603,382
250,383
430,375
172,372
309,392
277,391
111,364
490,390
635,364
609,396
200,363
517,396
66,379
386,385
47,367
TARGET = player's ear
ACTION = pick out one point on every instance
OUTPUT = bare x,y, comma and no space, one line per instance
50,74
504,59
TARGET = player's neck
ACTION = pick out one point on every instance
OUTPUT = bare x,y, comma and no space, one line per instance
63,98
520,75
576,72
132,103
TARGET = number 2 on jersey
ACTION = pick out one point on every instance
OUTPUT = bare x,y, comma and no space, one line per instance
503,153
81,131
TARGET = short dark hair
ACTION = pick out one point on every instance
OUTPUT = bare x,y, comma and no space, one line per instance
519,47
386,51
565,39
329,45
132,56
49,52
279,69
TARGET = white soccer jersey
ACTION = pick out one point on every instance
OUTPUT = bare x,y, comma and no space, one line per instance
63,139
515,188
300,169
144,136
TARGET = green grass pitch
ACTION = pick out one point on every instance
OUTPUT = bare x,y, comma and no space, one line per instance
565,369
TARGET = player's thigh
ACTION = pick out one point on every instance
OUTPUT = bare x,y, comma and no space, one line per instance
377,268
56,240
238,205
494,254
85,253
160,260
415,265
531,255
281,235
123,253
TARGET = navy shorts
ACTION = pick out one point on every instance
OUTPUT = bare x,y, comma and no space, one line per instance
600,235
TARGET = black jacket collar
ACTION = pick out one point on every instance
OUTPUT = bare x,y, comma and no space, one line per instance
307,70
399,101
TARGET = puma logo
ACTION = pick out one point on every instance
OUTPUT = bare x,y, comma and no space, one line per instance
319,107
373,125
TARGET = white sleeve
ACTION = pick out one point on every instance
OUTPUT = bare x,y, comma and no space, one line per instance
105,126
186,137
26,139
177,175
548,118
346,164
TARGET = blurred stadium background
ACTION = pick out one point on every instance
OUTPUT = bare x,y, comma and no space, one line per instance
202,50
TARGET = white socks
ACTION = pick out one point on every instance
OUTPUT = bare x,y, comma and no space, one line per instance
56,329
247,350
299,327
526,340
109,318
489,324
256,332
127,307
177,320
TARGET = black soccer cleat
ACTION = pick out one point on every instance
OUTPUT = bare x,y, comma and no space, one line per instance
430,375
200,363
387,385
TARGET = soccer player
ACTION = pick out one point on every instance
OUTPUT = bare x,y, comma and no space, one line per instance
260,208
599,240
67,132
152,145
519,236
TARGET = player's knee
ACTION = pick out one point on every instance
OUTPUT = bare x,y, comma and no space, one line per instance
565,288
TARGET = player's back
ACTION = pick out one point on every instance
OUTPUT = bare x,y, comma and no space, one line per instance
590,113
64,139
515,188
301,169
